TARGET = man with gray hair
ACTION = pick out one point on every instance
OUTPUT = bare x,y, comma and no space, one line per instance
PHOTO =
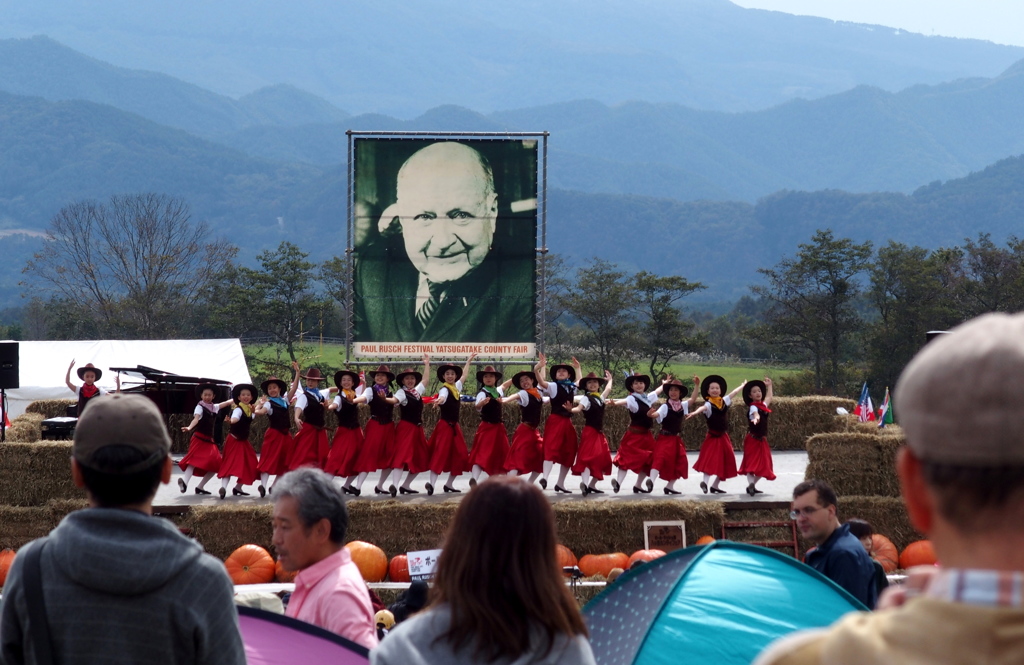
310,521
112,583
962,477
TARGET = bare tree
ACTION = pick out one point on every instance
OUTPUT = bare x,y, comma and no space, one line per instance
138,264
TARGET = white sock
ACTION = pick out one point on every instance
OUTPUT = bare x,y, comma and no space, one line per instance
396,475
655,474
586,476
224,482
187,476
477,470
547,468
433,478
562,474
451,479
707,478
671,485
350,480
264,477
513,473
409,477
206,479
360,479
621,475
384,473
714,481
640,479
751,479
533,476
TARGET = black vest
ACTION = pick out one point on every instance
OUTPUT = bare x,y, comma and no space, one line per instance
348,414
531,412
672,423
640,419
450,409
240,430
314,411
760,430
380,409
561,397
594,416
491,412
82,401
279,419
412,410
719,420
206,422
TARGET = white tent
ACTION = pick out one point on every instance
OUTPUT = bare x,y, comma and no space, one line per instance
43,365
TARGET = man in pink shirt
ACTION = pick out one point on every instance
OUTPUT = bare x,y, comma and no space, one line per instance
310,520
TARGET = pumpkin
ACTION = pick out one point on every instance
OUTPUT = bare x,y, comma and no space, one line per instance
918,553
369,559
644,555
884,552
6,559
283,576
250,564
566,559
705,540
602,564
398,569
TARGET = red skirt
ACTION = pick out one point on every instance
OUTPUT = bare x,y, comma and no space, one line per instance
447,449
527,452
560,442
310,449
670,457
716,456
635,450
202,454
490,448
378,447
345,447
594,454
239,461
757,458
411,450
274,453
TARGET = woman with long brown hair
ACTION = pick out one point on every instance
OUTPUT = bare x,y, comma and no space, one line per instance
499,595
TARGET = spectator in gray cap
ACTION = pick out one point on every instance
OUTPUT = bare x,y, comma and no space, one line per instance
962,477
112,583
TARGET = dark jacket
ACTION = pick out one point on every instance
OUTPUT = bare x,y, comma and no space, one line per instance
844,560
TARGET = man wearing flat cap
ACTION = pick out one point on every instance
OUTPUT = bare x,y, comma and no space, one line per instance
962,478
112,583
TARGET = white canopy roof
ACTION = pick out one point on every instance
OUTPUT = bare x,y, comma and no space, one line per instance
43,365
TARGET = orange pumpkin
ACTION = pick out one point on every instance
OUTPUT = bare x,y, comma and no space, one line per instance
250,564
398,569
704,540
602,564
645,555
283,576
369,559
884,552
6,559
918,553
566,559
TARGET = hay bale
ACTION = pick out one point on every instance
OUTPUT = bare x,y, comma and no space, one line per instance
35,473
26,428
887,515
855,464
21,524
591,527
51,408
223,529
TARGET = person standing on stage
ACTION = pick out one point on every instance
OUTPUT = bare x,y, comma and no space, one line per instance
411,450
490,444
560,441
447,445
594,460
526,455
90,374
757,456
716,461
239,457
202,456
311,447
669,460
348,438
277,440
636,449
379,440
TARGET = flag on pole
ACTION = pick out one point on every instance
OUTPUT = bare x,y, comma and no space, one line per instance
865,411
885,413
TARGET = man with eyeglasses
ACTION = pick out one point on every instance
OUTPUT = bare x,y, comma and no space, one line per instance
839,555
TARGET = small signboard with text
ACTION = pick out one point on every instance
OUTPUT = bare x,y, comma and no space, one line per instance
422,564
665,536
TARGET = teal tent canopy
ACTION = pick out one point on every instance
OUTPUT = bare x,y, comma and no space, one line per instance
718,604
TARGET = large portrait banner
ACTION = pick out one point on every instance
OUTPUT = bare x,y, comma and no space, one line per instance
444,238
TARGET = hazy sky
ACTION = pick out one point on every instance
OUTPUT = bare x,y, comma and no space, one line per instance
1000,21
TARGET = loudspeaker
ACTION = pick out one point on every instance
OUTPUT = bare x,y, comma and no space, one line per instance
9,377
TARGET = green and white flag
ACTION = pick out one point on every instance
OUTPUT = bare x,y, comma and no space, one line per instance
885,415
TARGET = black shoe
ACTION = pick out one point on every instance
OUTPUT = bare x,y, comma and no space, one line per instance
378,490
406,490
559,488
615,483
452,490
544,481
237,492
182,486
348,489
750,490
640,490
202,491
594,490
393,490
704,485
650,483
263,491
355,491
430,489
223,492
715,490
584,488
472,481
668,491
757,491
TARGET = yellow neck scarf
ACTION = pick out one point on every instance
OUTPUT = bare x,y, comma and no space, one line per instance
246,409
453,390
718,402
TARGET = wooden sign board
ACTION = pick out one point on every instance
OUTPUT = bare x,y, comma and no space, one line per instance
665,536
422,564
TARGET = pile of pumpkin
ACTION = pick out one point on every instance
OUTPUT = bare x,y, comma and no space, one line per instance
251,564
917,553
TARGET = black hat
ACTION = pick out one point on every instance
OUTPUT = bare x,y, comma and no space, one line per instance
570,368
630,380
276,381
346,372
589,377
89,367
408,372
750,386
520,375
488,370
383,369
236,391
203,385
676,383
708,380
313,374
444,368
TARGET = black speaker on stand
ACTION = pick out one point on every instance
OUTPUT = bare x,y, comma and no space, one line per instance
9,379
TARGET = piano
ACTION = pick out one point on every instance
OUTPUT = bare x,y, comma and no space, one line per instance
172,393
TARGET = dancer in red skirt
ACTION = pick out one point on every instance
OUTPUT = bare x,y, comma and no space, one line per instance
447,445
560,441
202,456
526,455
757,456
348,438
239,457
636,449
379,440
490,444
411,451
716,460
310,447
594,460
669,459
277,440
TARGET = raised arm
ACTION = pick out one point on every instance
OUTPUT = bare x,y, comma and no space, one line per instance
660,388
607,385
576,366
295,383
693,393
67,378
540,370
469,363
426,368
117,382
736,391
768,392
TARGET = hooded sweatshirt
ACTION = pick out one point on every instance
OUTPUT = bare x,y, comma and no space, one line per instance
120,586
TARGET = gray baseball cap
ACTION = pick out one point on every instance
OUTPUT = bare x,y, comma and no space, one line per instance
125,420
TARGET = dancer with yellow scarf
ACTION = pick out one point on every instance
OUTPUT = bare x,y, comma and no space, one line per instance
239,457
448,452
716,460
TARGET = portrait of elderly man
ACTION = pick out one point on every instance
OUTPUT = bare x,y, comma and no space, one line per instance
450,258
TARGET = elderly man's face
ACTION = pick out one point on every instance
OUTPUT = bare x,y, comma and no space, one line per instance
294,541
447,209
